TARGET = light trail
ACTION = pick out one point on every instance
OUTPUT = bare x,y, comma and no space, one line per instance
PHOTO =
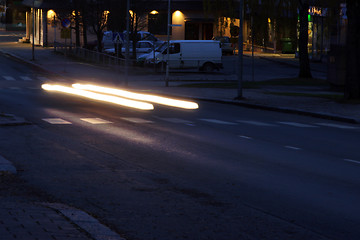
138,96
98,96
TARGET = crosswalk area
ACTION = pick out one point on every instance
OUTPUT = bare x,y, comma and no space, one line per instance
202,121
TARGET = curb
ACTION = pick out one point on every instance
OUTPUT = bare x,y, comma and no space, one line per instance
6,166
28,62
287,110
276,109
86,222
12,120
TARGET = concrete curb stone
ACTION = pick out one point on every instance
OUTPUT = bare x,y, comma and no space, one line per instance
6,166
12,120
86,222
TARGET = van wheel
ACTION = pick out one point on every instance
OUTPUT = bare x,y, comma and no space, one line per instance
208,67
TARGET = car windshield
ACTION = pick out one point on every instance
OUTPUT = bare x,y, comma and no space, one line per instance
162,47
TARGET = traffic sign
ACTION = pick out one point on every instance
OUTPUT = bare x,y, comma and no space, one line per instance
65,22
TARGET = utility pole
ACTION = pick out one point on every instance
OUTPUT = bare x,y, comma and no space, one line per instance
240,53
127,42
168,46
33,35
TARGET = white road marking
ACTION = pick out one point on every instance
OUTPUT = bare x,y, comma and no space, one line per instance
175,120
295,124
14,88
56,121
336,125
293,148
25,78
353,161
256,123
44,79
137,120
217,121
245,137
9,78
95,120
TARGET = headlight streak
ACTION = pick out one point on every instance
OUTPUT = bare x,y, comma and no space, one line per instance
98,96
139,96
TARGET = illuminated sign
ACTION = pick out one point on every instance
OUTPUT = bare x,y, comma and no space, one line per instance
317,11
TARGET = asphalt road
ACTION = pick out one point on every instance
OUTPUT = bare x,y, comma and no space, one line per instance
219,172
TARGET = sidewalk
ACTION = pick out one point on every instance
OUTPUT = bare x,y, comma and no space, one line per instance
32,220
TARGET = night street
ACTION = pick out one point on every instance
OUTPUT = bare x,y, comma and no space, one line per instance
218,172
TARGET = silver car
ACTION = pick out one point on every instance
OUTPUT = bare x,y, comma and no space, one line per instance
226,45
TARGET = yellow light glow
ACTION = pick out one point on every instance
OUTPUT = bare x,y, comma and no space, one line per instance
154,12
131,13
177,13
97,96
50,14
269,20
139,96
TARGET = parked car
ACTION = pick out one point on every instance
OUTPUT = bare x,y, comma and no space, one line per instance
110,38
204,55
142,47
226,45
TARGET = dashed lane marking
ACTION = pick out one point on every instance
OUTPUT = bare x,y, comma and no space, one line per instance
353,161
292,147
56,121
217,121
43,79
336,125
9,78
95,120
25,78
175,120
137,120
256,123
295,124
245,137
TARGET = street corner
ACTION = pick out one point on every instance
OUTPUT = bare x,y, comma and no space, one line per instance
12,120
6,167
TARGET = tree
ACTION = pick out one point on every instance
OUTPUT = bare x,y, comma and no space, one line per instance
352,78
140,9
284,14
97,18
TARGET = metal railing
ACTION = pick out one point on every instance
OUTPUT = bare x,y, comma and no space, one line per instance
89,55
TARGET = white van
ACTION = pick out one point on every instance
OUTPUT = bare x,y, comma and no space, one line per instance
204,55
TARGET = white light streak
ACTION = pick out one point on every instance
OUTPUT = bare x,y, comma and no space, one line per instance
138,96
100,97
